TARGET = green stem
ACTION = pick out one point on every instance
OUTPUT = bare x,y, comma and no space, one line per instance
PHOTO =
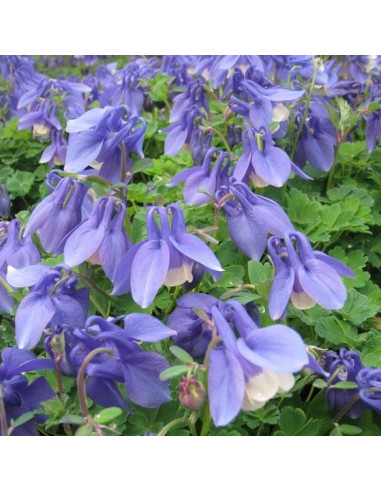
345,409
3,416
98,306
93,286
81,385
168,427
122,162
223,139
206,421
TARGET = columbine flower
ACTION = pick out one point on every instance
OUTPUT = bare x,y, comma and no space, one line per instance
97,136
18,396
317,140
53,301
16,250
304,276
203,178
262,106
167,257
139,370
347,366
193,333
245,373
251,218
264,164
57,214
101,238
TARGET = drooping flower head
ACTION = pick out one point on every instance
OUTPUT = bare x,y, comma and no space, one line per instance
304,276
251,364
165,258
18,395
98,135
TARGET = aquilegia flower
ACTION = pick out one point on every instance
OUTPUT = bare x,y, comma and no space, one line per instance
53,301
262,162
98,134
18,396
165,258
304,276
57,214
245,372
5,202
347,366
200,178
101,238
138,369
251,218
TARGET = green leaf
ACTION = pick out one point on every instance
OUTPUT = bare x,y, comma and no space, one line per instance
345,385
180,354
73,419
108,415
358,307
25,417
350,430
85,430
141,165
319,383
173,372
20,183
293,422
259,273
371,354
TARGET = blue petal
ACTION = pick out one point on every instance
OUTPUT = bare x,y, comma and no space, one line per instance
280,292
88,120
276,347
149,269
122,272
192,247
146,328
104,392
33,315
175,140
82,150
27,276
226,386
141,375
323,284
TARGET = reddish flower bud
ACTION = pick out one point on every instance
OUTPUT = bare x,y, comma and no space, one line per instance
191,393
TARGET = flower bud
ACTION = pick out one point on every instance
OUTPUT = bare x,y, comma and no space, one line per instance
191,393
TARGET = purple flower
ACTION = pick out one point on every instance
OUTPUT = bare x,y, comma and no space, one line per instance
346,366
317,140
139,370
55,153
166,257
16,250
97,136
262,162
193,333
203,178
101,238
304,276
251,218
53,301
57,214
18,396
245,372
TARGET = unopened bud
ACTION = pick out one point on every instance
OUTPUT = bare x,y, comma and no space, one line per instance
191,393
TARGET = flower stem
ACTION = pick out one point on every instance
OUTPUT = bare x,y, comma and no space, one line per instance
172,424
3,416
81,384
